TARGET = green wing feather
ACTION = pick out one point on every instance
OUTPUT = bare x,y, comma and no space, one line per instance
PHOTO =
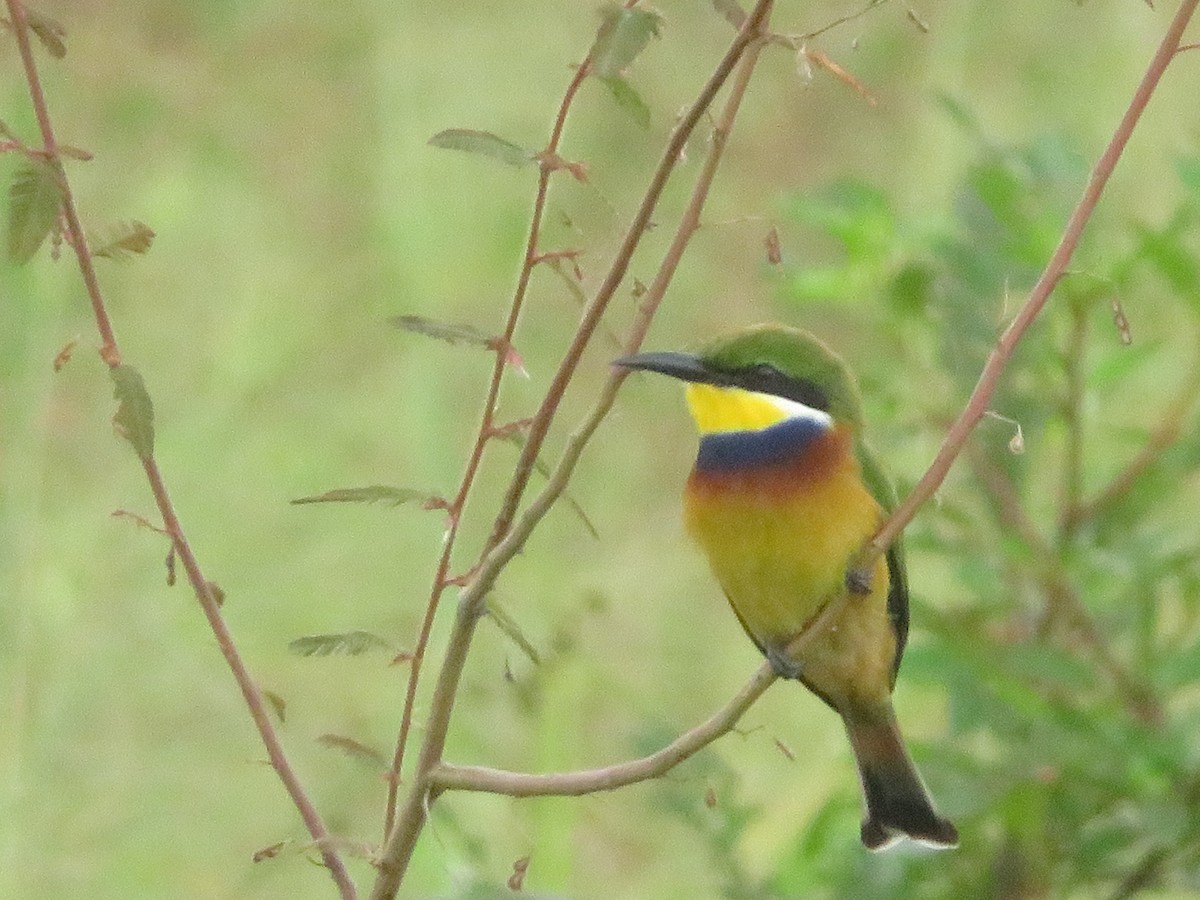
884,492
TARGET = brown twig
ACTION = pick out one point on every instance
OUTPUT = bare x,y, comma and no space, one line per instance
572,784
204,590
750,31
505,542
981,397
565,784
20,28
486,432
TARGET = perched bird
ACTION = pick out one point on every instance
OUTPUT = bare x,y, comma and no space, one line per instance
783,497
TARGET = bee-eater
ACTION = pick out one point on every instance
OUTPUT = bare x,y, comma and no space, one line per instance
783,496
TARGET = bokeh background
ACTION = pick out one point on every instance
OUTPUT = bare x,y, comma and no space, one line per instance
279,152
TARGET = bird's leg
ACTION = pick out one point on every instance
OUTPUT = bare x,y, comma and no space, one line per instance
784,665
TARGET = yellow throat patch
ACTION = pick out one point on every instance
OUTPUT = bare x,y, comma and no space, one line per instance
719,409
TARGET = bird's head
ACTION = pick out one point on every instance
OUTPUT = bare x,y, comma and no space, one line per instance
759,376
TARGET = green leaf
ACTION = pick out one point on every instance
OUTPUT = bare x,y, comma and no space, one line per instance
374,493
123,240
455,333
628,99
353,748
134,419
468,140
278,704
731,11
350,643
48,31
622,35
1189,173
1117,364
34,199
911,289
1171,257
509,626
450,332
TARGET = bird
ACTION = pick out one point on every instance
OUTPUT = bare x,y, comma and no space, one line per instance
782,499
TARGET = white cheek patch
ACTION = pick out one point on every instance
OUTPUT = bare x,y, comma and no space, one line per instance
794,410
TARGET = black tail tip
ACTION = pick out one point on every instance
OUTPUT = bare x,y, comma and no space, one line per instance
937,833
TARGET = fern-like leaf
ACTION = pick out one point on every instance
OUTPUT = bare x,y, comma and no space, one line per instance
350,643
123,240
35,197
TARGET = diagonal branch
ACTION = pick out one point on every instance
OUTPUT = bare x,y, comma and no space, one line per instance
485,433
402,839
203,588
571,784
749,32
446,776
998,360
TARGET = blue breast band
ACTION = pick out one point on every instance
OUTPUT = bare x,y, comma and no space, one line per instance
725,451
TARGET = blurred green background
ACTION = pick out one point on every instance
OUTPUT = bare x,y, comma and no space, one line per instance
279,152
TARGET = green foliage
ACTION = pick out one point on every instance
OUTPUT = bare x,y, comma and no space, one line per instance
374,493
622,36
49,32
484,143
34,200
512,629
455,333
731,11
350,643
628,99
354,749
1069,659
122,241
134,419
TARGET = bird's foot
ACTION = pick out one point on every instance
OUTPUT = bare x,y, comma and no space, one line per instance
858,581
784,665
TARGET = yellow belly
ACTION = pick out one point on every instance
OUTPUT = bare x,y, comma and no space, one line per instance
780,552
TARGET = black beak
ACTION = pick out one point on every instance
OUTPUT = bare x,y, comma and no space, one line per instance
683,366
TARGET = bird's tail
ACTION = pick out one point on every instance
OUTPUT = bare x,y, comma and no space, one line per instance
897,802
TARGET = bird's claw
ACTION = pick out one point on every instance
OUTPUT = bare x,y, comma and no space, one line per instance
858,581
784,665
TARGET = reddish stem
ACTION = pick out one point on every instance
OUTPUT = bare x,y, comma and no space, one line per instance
977,405
111,355
487,430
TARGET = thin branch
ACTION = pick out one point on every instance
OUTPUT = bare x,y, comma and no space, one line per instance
572,784
20,29
246,683
412,815
485,433
750,31
997,361
446,776
506,538
689,223
798,40
202,587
